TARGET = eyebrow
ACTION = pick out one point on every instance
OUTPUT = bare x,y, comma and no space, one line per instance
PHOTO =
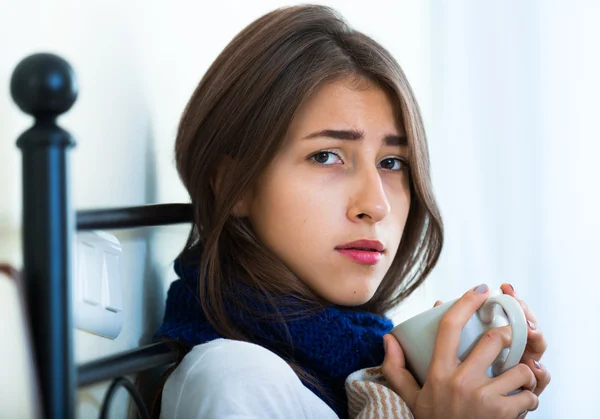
356,135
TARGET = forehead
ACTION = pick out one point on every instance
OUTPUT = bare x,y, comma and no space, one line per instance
348,103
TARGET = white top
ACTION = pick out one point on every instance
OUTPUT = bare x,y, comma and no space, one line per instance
231,379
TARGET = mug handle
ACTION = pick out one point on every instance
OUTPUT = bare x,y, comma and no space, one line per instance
518,323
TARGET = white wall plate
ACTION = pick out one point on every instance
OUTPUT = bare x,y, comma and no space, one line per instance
97,284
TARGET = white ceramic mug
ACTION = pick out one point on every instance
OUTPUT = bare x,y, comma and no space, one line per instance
417,335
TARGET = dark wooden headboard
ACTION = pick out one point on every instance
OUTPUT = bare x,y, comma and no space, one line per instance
44,86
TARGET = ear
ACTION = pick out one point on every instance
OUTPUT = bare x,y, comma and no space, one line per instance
242,207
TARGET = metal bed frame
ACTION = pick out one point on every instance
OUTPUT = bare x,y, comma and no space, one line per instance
44,86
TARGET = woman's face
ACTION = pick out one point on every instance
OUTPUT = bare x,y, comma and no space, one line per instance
341,177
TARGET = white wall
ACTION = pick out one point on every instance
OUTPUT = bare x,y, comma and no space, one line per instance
112,164
137,63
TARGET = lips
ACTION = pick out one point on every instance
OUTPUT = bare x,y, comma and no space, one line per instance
364,252
365,245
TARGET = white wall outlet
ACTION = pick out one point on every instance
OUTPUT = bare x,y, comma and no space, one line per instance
98,284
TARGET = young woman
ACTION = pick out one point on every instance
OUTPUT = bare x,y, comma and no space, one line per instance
306,161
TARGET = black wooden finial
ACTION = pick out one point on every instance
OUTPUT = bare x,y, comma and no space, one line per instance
44,85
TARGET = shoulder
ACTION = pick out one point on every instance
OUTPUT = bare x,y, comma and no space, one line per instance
222,360
227,378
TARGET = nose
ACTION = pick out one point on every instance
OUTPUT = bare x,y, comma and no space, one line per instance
368,202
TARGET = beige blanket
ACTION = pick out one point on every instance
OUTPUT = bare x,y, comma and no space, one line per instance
369,397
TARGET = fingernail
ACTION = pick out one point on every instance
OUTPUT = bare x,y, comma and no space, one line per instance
537,364
531,325
384,344
511,287
481,289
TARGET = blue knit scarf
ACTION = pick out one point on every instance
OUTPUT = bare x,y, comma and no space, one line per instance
330,344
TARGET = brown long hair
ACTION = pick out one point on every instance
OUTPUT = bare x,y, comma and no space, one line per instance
241,110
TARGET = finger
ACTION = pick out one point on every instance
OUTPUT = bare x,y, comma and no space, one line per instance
542,375
438,303
510,290
487,349
448,335
521,403
395,372
536,343
528,311
519,376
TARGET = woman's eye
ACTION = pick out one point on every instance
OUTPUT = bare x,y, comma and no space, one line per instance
325,158
393,163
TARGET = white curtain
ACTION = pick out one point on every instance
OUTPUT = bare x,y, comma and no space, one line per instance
514,143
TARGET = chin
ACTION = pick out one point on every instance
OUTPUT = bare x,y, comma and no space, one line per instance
352,300
352,292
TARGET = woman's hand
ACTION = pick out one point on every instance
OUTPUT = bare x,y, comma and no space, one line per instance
462,390
536,344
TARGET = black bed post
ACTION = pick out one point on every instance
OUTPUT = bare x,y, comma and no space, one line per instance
43,85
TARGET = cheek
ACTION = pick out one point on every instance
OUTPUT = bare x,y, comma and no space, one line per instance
400,198
403,207
289,211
